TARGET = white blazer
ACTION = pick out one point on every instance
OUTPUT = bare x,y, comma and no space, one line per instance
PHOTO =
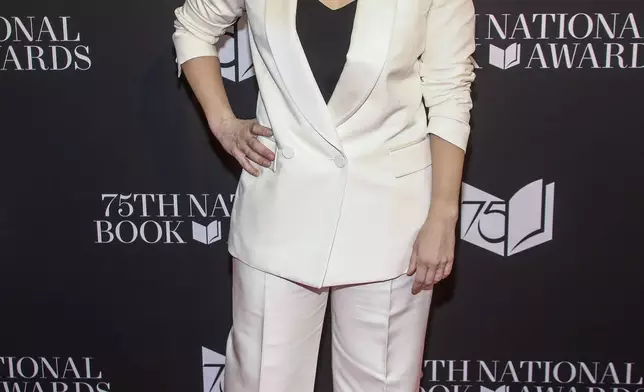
351,182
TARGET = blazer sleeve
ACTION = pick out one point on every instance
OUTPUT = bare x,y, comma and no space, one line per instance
447,69
199,24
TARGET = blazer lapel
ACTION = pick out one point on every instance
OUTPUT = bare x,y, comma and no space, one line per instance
370,39
372,31
294,68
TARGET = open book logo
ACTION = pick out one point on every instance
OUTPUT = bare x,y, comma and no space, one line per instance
507,228
505,58
234,52
206,234
502,388
213,370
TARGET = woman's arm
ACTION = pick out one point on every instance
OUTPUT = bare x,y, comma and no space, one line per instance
198,26
204,77
447,72
447,170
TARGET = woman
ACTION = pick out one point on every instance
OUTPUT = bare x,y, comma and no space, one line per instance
340,166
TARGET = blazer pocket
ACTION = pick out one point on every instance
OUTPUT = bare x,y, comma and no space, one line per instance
270,143
411,157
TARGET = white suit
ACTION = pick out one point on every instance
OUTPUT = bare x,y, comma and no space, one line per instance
348,190
349,187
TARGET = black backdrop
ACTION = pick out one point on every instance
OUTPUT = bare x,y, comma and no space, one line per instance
115,204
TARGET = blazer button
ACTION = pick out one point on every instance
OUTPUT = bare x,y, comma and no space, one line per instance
288,152
339,161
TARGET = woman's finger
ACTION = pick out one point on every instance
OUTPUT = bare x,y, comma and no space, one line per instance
244,162
448,268
254,156
412,262
419,279
431,273
261,149
440,272
257,129
427,287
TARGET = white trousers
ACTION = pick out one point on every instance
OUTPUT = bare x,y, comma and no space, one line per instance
378,333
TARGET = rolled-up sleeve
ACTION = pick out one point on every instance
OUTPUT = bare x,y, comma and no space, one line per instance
447,69
199,24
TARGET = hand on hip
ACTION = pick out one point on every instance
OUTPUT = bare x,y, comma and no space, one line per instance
239,138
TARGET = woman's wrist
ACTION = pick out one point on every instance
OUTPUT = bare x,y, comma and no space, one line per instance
216,119
447,209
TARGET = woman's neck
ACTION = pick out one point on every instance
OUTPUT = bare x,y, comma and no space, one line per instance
336,4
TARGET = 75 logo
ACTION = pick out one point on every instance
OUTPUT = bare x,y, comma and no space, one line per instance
507,228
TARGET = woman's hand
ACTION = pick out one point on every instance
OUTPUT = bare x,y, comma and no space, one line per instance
433,253
239,138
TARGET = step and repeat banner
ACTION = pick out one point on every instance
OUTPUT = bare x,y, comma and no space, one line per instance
115,205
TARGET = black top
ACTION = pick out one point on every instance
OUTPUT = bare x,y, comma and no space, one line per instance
325,35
